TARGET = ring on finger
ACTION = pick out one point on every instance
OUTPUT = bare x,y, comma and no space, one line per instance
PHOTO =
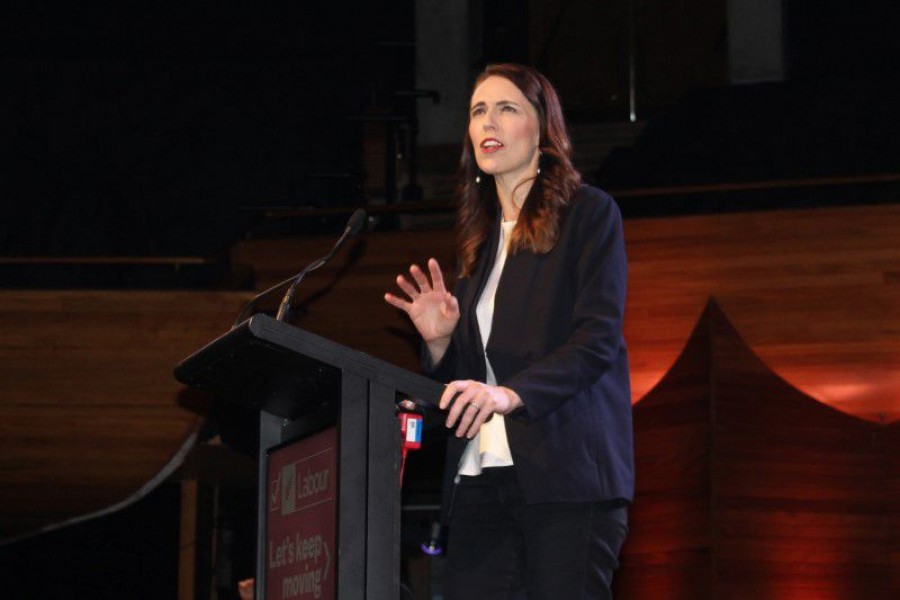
475,404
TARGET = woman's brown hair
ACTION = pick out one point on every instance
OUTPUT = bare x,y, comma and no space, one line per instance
537,228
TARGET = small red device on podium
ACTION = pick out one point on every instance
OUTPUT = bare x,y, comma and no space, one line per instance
411,434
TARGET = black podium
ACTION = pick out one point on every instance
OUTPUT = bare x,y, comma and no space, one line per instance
328,425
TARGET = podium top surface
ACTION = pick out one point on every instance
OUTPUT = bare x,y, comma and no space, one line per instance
263,357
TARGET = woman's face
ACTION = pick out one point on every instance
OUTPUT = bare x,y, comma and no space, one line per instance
505,130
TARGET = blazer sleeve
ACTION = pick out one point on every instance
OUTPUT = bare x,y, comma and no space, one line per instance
445,369
596,342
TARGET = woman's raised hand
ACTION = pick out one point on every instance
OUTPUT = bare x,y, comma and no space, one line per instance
433,310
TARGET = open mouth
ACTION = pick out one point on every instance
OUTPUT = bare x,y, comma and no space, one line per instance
491,145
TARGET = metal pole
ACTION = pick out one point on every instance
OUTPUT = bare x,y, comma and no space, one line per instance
632,61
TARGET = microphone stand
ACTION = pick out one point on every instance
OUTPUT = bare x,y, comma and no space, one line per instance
354,225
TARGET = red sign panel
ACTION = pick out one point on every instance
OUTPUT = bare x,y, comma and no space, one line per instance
300,526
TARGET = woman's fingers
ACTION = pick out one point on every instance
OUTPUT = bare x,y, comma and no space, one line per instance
450,391
407,287
469,407
423,287
473,416
397,302
454,400
437,278
451,305
465,411
420,278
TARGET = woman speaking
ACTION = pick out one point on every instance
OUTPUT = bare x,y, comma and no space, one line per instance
540,469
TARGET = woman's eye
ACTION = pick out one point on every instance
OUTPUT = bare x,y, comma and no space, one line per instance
509,108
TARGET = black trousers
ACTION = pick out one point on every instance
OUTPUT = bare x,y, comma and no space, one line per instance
498,547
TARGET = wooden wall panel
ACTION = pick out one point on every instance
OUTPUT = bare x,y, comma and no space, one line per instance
88,404
892,480
799,497
815,293
668,553
797,501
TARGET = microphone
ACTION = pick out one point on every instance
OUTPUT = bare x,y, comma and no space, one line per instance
354,226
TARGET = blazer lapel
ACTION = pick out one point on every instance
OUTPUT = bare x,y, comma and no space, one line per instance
470,302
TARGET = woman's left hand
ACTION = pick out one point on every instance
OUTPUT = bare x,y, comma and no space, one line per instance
472,403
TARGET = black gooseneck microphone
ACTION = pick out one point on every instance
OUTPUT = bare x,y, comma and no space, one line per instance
354,226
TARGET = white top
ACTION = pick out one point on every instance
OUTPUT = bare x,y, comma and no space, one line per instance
489,448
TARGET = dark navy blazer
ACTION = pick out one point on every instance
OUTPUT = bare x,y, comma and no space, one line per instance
556,340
